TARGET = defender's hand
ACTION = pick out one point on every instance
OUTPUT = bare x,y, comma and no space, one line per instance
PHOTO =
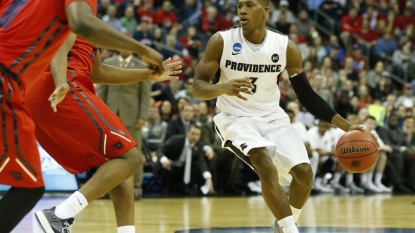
236,86
154,59
58,95
171,70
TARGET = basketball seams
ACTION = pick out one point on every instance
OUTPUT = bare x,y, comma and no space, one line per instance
358,141
360,156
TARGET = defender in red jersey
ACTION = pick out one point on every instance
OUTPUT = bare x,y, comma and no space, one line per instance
31,31
85,133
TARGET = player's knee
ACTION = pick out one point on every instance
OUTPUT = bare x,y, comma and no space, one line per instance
261,161
135,160
303,174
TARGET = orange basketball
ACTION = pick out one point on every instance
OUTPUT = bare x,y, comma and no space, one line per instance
356,151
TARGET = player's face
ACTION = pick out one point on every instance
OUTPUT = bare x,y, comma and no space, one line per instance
251,14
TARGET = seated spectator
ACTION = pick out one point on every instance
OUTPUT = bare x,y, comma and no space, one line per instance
303,22
366,36
171,43
321,50
154,130
143,34
407,98
110,19
166,111
187,11
282,25
375,74
404,60
384,47
146,12
363,94
316,83
128,21
165,17
403,20
359,60
350,71
282,10
383,87
103,8
180,124
182,163
342,105
349,23
210,22
187,92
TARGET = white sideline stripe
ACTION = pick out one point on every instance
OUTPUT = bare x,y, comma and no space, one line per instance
105,144
119,135
4,164
25,169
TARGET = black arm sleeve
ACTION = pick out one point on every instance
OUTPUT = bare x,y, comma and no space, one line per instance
310,99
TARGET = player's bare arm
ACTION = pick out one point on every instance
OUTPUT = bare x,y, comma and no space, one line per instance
306,95
106,74
206,70
83,22
58,67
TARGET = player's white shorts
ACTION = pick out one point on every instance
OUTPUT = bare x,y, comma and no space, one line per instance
284,144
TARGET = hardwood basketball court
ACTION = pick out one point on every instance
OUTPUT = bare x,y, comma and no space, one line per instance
325,213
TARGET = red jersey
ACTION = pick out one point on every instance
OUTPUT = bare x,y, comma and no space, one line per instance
31,32
82,56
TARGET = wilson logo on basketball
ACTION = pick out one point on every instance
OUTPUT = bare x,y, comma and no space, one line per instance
354,149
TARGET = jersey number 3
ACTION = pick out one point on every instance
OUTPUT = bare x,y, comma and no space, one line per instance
253,81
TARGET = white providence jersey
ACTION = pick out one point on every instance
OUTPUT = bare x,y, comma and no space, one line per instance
263,67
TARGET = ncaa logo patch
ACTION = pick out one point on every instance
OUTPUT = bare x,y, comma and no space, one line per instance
275,58
237,48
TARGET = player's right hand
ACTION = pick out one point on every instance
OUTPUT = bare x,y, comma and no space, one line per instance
58,95
236,86
154,60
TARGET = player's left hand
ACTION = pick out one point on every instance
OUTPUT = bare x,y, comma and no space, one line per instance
360,128
171,70
58,95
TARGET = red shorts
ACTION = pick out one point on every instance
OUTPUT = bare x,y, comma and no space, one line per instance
83,133
19,155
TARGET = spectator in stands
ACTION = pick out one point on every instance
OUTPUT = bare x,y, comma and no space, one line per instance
282,10
383,87
301,115
110,19
320,49
166,111
366,36
303,22
394,136
180,124
171,92
407,98
182,163
350,71
404,60
402,21
187,92
342,105
363,95
359,60
409,167
180,102
210,22
165,16
146,12
143,34
187,11
171,43
103,8
128,21
349,23
154,130
376,172
384,47
335,11
375,74
282,25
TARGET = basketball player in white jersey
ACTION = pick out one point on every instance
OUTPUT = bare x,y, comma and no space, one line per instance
251,123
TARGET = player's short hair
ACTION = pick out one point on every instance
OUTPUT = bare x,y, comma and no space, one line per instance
264,2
